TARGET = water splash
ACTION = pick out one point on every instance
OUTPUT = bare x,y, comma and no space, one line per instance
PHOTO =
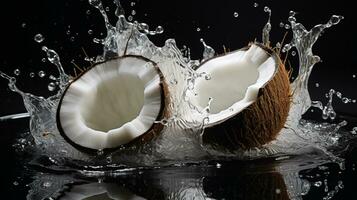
303,41
178,142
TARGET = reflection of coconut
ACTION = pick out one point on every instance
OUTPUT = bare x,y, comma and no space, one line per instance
250,94
113,103
99,191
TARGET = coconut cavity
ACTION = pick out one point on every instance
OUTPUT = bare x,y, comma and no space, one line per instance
250,92
112,103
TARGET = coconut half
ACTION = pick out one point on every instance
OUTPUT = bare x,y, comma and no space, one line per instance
250,93
112,103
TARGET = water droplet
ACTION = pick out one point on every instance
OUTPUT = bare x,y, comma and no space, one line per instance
354,131
100,152
267,9
278,45
68,32
293,53
340,184
88,12
353,75
15,183
32,74
41,74
277,191
292,13
51,86
198,29
38,38
281,24
90,31
208,77
317,85
17,72
109,159
23,25
255,5
345,100
43,59
218,165
339,94
159,30
317,183
287,26
52,77
107,9
354,101
132,4
72,39
133,12
292,19
235,14
46,184
130,18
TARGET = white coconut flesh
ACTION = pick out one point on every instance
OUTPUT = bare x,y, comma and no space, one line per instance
112,103
235,82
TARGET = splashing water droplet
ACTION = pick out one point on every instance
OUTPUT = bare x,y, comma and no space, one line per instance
287,26
198,29
51,86
32,74
15,183
52,77
159,30
23,25
317,183
317,85
68,32
107,9
17,72
281,24
130,18
72,39
43,59
41,74
292,13
208,77
90,31
354,76
132,4
277,191
133,12
235,14
346,100
38,38
293,53
208,51
255,5
88,12
267,9
354,131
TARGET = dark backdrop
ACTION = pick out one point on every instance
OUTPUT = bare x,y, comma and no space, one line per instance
59,21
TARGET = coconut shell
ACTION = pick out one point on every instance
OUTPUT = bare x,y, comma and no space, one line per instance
153,131
260,122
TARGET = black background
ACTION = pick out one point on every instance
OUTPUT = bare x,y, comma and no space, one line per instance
180,20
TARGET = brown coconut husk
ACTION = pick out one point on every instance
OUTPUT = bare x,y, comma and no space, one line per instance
259,123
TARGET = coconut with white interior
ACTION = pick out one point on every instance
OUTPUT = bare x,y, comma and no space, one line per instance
250,92
113,103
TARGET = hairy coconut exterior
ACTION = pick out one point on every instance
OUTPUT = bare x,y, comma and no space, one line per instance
259,123
153,131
